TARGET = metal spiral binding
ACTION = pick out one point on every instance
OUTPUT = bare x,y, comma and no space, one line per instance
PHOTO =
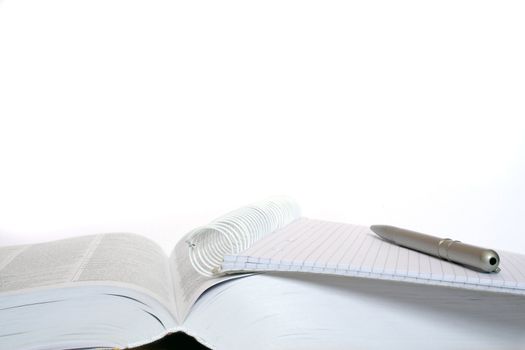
237,231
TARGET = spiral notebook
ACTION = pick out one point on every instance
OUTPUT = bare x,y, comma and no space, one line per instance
274,237
316,246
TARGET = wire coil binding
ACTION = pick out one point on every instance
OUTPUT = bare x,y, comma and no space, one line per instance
236,231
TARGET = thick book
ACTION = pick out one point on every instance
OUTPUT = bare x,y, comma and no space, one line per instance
259,277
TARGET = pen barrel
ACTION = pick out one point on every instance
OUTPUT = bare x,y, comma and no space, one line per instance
481,258
413,240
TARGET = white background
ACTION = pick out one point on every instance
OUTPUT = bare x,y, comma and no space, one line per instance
157,116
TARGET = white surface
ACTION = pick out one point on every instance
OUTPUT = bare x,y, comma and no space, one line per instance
156,117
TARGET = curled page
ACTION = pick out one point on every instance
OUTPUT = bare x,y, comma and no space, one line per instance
237,231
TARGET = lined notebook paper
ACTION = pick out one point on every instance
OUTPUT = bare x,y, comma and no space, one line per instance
317,246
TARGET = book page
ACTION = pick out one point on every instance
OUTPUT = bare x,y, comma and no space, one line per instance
317,246
107,258
315,311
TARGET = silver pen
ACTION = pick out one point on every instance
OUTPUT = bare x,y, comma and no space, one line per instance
477,258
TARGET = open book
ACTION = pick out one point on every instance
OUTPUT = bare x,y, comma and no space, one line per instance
120,290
